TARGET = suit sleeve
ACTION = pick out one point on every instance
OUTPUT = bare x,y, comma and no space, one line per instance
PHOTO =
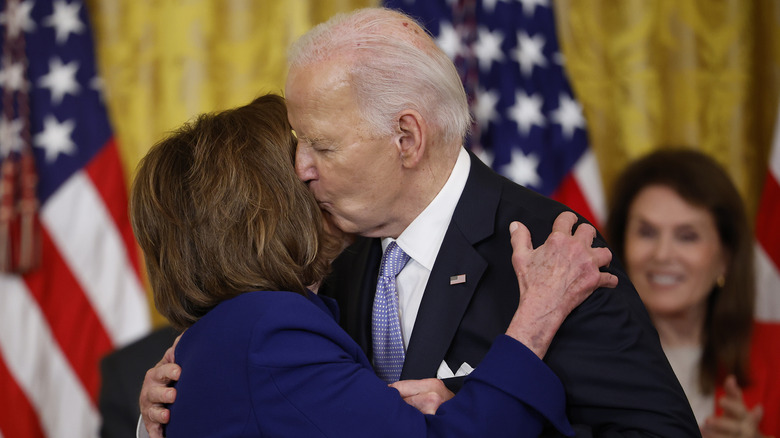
122,374
617,379
117,401
309,375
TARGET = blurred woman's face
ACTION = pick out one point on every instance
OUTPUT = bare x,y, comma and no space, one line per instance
673,252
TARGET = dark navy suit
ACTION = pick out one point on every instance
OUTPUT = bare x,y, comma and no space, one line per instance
276,364
607,353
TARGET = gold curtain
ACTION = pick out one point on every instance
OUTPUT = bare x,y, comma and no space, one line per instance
698,73
165,61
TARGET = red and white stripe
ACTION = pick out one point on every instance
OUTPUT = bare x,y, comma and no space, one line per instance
768,239
582,190
57,322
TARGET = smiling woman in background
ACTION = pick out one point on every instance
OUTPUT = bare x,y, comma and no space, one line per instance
679,225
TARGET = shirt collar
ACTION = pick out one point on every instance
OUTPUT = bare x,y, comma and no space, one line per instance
422,239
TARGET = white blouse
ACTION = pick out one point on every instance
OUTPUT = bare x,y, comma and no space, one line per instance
685,363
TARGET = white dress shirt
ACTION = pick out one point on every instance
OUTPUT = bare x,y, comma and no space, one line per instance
422,239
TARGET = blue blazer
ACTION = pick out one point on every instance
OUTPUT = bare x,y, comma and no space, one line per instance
276,364
607,353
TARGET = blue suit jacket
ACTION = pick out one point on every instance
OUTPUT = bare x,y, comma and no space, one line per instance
607,353
276,364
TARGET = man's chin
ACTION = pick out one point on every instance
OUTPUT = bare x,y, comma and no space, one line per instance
335,225
339,224
334,229
344,226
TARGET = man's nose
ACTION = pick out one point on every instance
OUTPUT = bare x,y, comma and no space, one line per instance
304,165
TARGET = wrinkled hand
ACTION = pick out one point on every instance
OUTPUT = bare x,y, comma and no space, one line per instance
155,392
426,394
554,278
737,421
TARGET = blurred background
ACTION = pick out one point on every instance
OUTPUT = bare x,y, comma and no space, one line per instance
565,93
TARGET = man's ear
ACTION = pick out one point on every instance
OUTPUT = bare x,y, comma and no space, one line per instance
412,139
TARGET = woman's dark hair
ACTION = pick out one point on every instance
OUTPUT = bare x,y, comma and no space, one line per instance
700,181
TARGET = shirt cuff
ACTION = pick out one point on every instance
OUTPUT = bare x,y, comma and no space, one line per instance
140,429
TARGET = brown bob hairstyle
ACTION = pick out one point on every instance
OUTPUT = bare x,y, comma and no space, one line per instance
218,211
703,183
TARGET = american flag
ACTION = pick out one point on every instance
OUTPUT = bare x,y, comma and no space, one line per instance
84,296
529,126
768,239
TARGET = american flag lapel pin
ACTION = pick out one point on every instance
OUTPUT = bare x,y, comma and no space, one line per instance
457,279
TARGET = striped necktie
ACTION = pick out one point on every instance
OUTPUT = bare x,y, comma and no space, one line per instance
388,344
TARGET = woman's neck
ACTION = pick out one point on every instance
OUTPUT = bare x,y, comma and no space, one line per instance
681,329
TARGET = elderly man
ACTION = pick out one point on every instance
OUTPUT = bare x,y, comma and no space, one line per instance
380,116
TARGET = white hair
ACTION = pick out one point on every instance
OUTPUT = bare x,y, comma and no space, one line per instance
394,65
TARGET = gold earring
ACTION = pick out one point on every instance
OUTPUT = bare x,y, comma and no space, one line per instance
721,281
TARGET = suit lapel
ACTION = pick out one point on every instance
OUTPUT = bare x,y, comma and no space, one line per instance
444,304
373,257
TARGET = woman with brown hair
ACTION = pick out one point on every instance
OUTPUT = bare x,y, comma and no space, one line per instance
679,225
232,239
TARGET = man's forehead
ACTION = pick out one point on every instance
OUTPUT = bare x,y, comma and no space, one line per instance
328,72
312,93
